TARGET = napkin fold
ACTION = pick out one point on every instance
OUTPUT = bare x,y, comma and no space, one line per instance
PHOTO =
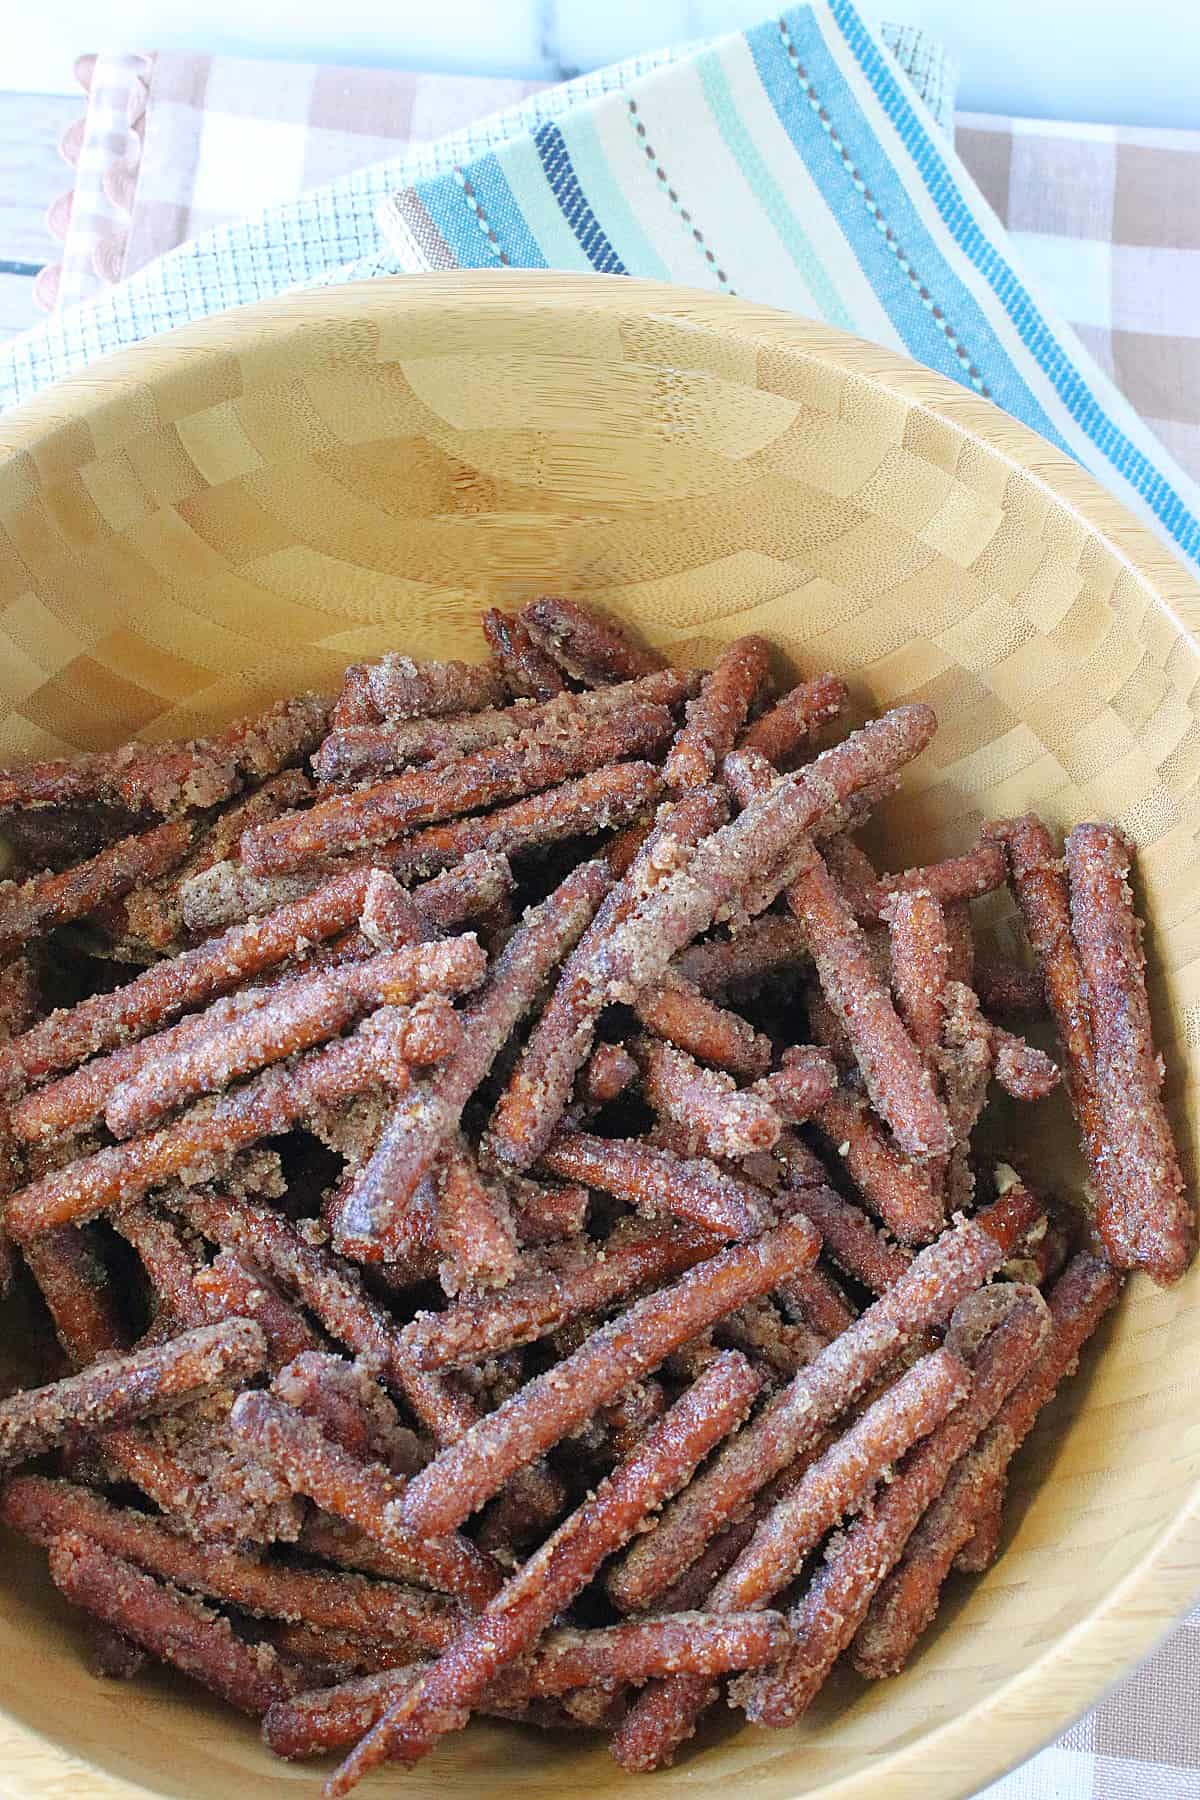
795,164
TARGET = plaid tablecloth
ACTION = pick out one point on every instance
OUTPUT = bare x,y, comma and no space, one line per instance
1109,218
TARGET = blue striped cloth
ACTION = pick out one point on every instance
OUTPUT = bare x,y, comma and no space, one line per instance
795,164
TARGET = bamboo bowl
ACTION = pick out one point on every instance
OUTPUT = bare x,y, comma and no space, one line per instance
237,510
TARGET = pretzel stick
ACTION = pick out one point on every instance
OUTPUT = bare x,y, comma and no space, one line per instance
540,1087
607,797
369,816
369,751
723,1121
475,1227
415,1132
300,1015
1143,1211
172,1626
920,963
802,711
836,1601
231,1286
363,1493
167,989
693,1190
348,1403
698,1027
961,1259
806,1081
525,669
333,1291
41,1510
898,1191
29,908
718,712
459,1480
333,1718
763,949
534,1307
199,1143
588,645
1040,887
177,776
850,1239
403,689
140,1385
908,1599
354,705
550,1579
609,1070
153,913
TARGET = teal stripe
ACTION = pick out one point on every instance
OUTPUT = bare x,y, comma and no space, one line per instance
538,209
768,192
608,202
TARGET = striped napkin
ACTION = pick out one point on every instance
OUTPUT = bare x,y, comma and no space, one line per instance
795,164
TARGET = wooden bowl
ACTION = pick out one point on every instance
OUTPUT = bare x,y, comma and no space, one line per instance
238,509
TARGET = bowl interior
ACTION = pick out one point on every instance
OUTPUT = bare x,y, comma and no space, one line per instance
240,509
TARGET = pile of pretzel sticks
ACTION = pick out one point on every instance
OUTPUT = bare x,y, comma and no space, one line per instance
493,1174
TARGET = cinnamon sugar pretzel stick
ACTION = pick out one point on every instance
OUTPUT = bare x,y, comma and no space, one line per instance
354,705
177,776
366,752
415,1132
1143,1210
899,1191
141,1385
1040,887
42,1509
475,1226
673,1010
798,716
171,1625
167,989
920,963
617,1656
806,1081
403,689
606,798
590,646
29,908
526,670
231,1286
460,1479
363,1493
718,712
533,1307
550,1579
723,1121
692,1189
365,817
152,915
540,1086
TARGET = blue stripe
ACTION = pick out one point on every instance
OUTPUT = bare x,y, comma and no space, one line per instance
564,185
913,318
754,171
450,206
1034,331
593,168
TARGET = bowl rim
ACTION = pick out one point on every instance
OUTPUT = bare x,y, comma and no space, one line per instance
1073,1673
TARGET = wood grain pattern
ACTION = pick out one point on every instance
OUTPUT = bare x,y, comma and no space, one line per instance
224,514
